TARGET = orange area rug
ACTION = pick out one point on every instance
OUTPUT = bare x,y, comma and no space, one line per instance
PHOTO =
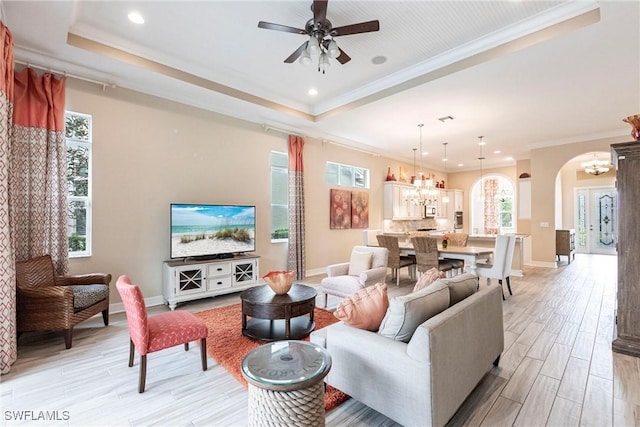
228,346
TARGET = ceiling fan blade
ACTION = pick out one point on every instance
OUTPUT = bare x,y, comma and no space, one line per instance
362,27
295,55
278,27
319,10
343,58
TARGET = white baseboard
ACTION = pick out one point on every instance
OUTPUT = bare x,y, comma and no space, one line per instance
118,307
544,264
316,271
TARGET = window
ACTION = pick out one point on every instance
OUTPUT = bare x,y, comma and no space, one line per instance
492,206
279,196
347,176
78,138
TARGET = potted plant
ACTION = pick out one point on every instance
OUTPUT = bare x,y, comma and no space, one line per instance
445,240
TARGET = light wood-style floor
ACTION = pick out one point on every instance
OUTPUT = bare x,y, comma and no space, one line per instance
557,368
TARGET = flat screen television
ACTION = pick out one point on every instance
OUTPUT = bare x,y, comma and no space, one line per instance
212,231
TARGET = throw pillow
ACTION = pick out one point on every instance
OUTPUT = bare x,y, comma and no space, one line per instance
427,278
407,312
461,286
364,309
360,261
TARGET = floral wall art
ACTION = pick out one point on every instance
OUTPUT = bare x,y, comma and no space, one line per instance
359,209
348,209
340,209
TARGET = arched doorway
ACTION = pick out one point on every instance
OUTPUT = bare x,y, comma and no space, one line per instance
587,202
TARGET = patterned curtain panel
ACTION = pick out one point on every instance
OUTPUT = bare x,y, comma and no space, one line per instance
38,181
8,335
296,207
491,213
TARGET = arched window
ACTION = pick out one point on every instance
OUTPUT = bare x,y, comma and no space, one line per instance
492,206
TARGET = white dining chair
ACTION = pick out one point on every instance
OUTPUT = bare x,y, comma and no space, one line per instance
502,257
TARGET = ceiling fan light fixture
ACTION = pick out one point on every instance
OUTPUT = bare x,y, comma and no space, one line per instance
313,48
305,58
333,50
323,63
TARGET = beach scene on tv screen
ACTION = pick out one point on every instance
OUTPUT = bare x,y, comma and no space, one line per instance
198,230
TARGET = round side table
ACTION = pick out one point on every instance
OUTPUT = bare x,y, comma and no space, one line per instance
286,383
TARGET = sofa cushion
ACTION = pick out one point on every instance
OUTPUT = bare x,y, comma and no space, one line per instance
360,261
407,312
460,287
86,295
427,278
364,309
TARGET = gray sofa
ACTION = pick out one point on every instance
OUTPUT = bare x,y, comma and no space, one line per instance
425,380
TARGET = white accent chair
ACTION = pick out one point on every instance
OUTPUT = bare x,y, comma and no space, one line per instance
340,283
502,258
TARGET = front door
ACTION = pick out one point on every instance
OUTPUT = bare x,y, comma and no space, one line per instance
596,220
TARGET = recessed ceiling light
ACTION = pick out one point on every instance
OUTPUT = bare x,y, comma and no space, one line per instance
425,153
460,165
379,59
497,152
135,17
313,91
509,158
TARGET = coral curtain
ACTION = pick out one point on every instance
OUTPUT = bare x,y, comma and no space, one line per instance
8,335
491,213
38,177
296,256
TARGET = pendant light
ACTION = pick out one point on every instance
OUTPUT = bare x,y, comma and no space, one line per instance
445,198
481,158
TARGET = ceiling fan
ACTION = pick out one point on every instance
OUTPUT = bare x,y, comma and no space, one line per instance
321,37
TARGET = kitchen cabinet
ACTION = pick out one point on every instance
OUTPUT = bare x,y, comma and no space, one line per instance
458,200
397,204
524,198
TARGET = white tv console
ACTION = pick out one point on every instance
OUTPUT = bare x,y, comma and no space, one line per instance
194,279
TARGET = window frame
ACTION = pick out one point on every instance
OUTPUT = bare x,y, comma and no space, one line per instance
278,169
87,200
354,172
477,215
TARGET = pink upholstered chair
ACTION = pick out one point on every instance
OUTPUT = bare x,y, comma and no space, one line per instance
149,334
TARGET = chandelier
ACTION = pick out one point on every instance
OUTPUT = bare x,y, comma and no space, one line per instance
424,192
596,166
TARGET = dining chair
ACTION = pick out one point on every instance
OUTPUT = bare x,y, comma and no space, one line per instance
500,268
395,260
457,239
150,334
426,249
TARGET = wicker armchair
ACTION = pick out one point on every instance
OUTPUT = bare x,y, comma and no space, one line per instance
46,302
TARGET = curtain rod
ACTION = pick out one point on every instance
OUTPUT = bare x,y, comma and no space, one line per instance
322,141
64,73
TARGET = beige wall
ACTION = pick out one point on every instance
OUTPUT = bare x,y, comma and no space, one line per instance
149,152
545,166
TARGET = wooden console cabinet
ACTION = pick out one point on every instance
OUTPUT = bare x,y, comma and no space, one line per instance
626,158
566,244
189,280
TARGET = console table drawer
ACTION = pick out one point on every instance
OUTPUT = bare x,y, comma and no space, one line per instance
219,269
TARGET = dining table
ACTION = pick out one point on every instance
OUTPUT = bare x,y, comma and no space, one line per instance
469,254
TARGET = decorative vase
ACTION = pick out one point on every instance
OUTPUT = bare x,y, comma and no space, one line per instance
389,177
280,282
445,243
634,121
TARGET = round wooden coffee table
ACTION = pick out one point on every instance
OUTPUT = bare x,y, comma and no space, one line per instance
263,310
